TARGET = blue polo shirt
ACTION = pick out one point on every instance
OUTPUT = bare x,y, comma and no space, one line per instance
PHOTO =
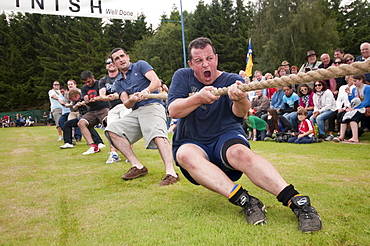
135,82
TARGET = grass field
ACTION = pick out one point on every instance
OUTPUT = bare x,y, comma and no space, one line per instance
51,196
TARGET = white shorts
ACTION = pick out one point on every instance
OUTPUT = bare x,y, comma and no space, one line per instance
117,112
149,121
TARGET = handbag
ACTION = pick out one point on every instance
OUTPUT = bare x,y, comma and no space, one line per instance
282,137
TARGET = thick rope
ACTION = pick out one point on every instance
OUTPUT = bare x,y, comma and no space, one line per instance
300,78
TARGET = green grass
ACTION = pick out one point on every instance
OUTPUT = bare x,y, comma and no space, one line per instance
51,196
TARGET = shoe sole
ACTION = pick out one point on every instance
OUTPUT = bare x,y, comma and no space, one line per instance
66,147
90,153
262,221
112,162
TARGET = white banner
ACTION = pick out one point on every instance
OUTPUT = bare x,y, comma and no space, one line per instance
116,9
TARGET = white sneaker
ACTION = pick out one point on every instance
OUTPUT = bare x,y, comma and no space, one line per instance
60,138
91,151
66,146
113,157
101,145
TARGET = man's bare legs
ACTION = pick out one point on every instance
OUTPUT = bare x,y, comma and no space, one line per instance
164,148
124,146
258,170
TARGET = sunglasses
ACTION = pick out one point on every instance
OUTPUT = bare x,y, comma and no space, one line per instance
109,61
337,63
349,59
304,89
56,84
317,85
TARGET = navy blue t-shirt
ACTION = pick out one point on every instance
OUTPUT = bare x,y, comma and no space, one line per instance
209,121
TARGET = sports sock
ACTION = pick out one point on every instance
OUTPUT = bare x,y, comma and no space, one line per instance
239,196
96,148
286,195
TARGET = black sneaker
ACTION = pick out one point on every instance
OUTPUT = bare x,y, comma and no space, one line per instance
255,211
308,219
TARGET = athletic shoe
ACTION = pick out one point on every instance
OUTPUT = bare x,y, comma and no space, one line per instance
91,150
101,145
60,138
66,146
337,140
134,173
113,157
308,219
255,211
329,138
169,179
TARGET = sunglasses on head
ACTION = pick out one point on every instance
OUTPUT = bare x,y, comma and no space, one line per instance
317,85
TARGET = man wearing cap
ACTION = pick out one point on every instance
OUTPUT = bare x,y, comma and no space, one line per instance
311,64
286,66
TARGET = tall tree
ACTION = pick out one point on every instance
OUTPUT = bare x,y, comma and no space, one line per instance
354,25
286,30
163,50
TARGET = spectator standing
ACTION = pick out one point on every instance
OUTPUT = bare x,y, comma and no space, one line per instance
339,53
349,58
365,54
56,107
210,145
45,118
147,119
324,105
294,69
312,64
286,66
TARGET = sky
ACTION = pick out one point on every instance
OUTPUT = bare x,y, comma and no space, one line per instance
153,9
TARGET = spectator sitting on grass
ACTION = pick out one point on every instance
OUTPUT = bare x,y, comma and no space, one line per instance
276,123
306,131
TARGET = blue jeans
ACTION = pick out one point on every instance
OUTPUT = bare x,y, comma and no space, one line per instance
293,120
302,140
320,121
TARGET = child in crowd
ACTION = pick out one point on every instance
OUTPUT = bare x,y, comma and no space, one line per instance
306,130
